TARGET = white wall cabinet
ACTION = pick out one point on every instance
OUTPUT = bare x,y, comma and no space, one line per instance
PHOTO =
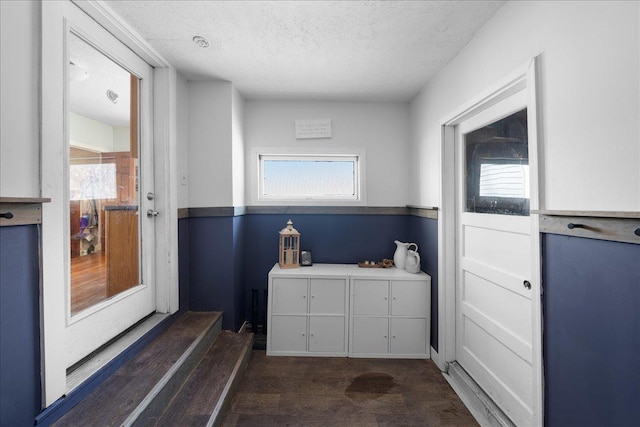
343,310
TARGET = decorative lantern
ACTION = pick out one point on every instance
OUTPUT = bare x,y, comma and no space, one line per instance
289,247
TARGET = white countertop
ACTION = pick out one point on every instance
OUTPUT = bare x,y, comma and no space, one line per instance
346,270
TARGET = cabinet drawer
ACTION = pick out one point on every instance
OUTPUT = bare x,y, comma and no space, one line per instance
370,335
289,295
409,298
326,334
288,333
370,297
327,296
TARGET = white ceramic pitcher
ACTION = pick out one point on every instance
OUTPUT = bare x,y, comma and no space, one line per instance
400,255
412,263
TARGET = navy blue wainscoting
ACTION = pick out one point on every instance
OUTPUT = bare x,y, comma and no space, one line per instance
591,332
215,257
183,262
239,264
331,238
424,232
19,326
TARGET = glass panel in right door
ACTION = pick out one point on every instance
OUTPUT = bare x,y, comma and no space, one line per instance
497,167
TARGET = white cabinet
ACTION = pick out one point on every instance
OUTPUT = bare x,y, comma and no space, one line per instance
369,335
390,318
291,333
340,310
307,312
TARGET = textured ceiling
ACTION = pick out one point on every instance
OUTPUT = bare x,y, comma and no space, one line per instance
338,50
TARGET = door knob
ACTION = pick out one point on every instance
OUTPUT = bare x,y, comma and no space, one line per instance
151,213
527,284
150,196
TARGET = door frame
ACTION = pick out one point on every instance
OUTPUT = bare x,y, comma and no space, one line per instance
524,78
53,283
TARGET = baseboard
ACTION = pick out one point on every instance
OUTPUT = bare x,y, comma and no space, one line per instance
438,360
475,399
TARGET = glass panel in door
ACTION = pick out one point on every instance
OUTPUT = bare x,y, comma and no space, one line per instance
497,167
104,199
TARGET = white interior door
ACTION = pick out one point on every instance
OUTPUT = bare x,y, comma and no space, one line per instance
494,257
81,59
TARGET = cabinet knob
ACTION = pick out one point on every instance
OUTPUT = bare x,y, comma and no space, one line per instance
313,296
304,296
311,334
385,298
385,336
393,336
302,334
394,298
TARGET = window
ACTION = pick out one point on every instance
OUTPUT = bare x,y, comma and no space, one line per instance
497,167
309,177
504,180
92,181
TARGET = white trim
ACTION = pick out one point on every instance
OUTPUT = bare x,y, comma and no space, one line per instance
446,249
100,12
166,189
354,159
536,203
523,78
435,356
483,409
53,297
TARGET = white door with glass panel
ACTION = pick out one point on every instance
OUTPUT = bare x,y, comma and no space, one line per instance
494,257
98,171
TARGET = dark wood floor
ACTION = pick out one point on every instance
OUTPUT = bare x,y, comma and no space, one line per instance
88,281
301,391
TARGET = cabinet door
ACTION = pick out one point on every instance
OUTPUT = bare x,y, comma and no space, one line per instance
289,296
326,334
370,335
288,333
408,336
327,296
409,298
370,297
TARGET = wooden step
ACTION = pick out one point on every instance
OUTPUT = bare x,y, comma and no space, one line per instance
143,386
203,399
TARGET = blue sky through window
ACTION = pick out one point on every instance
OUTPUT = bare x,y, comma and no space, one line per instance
309,178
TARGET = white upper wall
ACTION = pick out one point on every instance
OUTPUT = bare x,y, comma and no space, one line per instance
238,153
182,138
380,129
215,146
589,92
19,85
210,149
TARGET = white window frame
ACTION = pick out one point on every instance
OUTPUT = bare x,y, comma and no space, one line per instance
258,155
